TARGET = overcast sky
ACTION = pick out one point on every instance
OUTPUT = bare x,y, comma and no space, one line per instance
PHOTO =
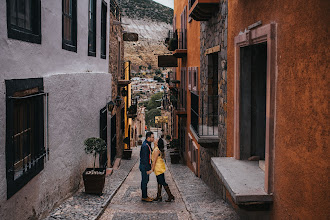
168,3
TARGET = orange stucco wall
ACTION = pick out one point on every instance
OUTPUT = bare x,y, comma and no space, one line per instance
301,187
192,59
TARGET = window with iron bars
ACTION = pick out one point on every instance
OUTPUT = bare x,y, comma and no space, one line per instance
25,150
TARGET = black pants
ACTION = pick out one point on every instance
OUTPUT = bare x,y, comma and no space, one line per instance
161,179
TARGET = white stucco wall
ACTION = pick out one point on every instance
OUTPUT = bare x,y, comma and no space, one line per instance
78,87
20,59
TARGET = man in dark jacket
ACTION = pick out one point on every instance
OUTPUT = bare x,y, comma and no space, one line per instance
145,164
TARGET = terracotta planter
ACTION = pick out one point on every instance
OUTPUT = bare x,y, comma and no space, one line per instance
127,154
94,183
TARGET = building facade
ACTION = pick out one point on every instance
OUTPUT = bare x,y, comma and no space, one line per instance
54,88
255,104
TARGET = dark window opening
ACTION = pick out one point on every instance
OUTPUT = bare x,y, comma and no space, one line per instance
104,30
103,135
24,20
69,25
122,126
25,149
92,28
253,60
113,139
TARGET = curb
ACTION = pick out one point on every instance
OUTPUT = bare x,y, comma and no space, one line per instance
107,202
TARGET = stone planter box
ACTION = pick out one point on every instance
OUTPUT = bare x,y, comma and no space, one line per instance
94,183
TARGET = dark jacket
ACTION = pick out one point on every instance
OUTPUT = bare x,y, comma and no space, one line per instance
145,155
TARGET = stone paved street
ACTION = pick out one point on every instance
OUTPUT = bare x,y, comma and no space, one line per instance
86,206
127,202
200,200
193,198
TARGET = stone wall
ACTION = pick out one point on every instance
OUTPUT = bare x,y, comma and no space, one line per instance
116,59
213,33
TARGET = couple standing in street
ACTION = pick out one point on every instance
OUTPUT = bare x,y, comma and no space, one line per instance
153,161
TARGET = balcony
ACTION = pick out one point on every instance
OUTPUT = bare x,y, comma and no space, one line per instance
204,120
132,110
181,51
202,10
172,40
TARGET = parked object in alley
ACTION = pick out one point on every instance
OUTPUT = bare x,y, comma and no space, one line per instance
127,154
94,178
175,153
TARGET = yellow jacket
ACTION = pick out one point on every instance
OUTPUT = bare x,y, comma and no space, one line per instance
160,164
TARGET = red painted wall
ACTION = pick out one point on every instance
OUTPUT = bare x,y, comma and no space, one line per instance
301,182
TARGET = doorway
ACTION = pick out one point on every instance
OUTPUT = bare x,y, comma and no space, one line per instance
253,76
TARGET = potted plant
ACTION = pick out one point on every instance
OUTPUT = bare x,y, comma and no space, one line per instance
140,140
175,154
94,178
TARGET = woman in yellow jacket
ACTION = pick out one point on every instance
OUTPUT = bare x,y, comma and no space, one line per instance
158,166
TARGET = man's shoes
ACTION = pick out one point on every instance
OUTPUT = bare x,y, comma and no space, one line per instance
147,199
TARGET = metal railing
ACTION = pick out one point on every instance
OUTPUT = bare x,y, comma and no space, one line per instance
204,120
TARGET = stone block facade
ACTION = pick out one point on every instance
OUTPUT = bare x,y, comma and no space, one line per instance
116,59
214,33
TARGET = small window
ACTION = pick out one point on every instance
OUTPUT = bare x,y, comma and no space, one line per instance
104,11
69,25
25,151
24,20
92,28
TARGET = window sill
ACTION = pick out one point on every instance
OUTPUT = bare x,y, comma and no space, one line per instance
206,141
244,180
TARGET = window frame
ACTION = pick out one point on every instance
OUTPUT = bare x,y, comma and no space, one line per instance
104,18
266,33
19,33
92,33
72,44
13,87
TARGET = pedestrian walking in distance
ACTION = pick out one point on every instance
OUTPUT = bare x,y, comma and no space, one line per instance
158,166
145,165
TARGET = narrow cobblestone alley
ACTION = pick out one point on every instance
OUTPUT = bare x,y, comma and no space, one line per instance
127,202
193,198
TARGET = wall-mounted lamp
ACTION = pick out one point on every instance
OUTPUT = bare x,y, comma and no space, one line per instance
110,106
118,101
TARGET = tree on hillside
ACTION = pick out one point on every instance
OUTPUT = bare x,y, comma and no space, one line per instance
150,117
153,104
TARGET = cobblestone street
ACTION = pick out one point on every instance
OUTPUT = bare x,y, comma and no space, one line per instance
193,199
127,202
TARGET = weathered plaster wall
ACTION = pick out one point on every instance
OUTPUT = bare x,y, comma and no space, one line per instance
20,59
301,189
74,104
214,33
78,87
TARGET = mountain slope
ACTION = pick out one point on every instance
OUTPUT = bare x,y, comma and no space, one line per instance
151,21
